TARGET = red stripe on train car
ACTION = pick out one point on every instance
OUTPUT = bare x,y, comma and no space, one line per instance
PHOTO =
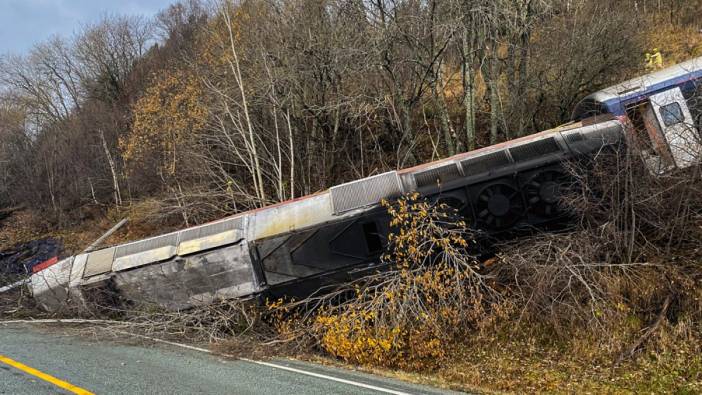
41,266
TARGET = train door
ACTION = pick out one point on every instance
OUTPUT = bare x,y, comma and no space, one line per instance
676,123
647,136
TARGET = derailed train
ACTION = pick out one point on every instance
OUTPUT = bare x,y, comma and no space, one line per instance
296,247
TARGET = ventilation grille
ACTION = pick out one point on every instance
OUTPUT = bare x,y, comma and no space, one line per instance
534,150
212,229
99,262
365,192
153,243
437,175
485,163
573,138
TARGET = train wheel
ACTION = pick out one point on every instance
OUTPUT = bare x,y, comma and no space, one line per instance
543,192
499,206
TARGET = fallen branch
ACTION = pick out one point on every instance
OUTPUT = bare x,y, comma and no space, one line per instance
647,333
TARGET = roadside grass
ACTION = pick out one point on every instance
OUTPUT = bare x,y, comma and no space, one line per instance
614,306
527,365
514,363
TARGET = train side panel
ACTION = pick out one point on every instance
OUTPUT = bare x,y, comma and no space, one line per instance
50,286
294,248
192,280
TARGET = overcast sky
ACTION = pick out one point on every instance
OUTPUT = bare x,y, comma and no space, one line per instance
26,22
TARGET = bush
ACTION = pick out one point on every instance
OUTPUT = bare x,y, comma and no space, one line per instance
627,267
432,294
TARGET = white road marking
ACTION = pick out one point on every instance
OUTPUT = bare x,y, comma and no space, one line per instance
324,376
172,343
276,366
204,350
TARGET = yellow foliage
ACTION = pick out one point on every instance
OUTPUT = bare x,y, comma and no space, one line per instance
215,47
166,118
426,302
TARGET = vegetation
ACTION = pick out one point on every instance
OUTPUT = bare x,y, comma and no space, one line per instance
215,108
432,292
610,305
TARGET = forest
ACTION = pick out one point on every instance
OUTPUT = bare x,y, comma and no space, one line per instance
212,108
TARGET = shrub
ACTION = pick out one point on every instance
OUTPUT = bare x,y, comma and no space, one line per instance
431,294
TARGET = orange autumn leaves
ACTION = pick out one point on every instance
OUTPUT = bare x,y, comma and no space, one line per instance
175,107
166,118
430,297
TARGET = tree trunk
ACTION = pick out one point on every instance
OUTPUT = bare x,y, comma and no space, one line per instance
279,163
442,111
113,170
522,80
468,89
408,158
292,156
239,80
493,95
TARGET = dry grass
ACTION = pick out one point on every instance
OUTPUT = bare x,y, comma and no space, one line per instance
613,305
523,363
146,219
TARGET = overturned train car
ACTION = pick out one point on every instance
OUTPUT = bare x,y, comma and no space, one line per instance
296,247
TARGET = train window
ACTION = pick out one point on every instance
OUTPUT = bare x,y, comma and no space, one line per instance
370,233
672,114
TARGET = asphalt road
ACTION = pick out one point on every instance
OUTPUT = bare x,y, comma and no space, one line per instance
37,360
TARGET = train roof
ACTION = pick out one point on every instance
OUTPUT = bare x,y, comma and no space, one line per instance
599,119
659,80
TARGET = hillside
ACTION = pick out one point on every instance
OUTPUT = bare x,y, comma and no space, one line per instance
211,109
203,112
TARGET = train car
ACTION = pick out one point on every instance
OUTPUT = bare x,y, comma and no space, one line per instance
663,112
297,247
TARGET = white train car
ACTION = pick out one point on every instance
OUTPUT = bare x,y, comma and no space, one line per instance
296,247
